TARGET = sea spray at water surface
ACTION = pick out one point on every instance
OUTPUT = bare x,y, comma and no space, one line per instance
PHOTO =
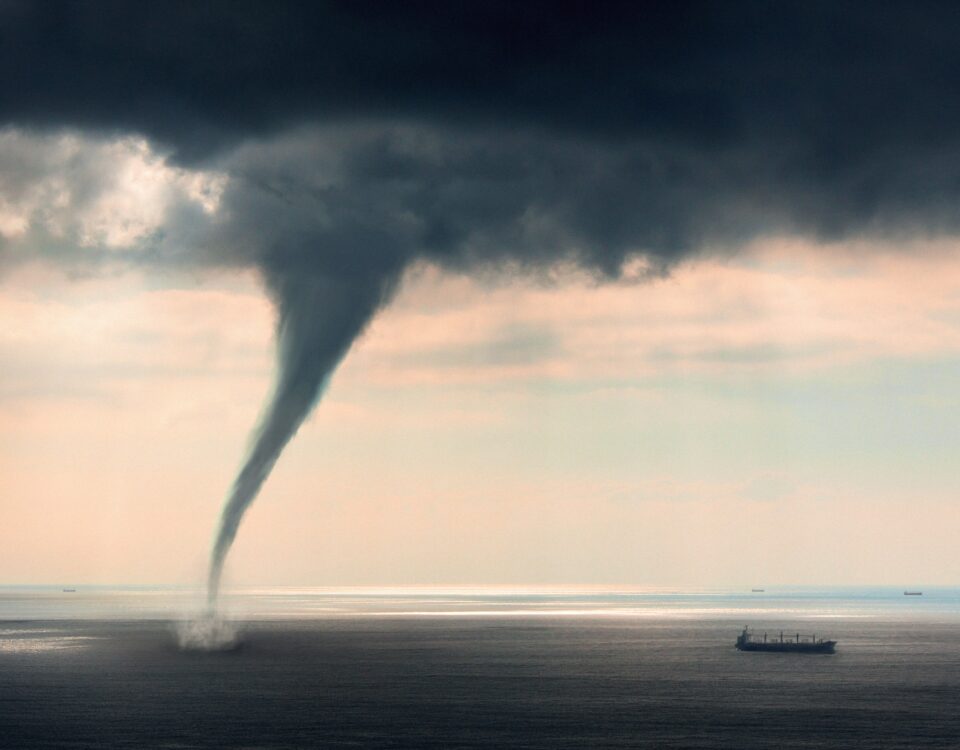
208,632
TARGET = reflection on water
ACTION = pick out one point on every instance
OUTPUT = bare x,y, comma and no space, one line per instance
138,603
34,641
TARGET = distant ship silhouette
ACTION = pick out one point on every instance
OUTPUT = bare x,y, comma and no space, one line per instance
810,645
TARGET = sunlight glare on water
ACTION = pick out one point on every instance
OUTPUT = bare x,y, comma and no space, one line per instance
186,604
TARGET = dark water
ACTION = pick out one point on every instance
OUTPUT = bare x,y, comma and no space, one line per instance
513,682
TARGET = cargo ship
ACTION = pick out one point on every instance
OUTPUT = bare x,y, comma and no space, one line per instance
795,644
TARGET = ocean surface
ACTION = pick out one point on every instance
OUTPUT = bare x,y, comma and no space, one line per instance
479,667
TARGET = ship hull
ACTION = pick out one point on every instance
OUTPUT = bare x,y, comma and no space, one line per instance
823,647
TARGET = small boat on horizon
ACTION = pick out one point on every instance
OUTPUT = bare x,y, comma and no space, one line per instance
69,591
913,593
757,591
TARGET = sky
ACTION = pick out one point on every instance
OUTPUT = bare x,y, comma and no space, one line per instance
642,294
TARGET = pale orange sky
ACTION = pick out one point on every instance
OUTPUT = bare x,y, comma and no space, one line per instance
786,416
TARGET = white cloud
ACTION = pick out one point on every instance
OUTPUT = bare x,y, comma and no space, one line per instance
93,192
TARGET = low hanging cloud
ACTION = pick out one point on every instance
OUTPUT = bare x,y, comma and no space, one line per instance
330,145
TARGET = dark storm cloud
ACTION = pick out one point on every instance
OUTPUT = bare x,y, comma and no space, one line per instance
194,74
653,127
198,74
